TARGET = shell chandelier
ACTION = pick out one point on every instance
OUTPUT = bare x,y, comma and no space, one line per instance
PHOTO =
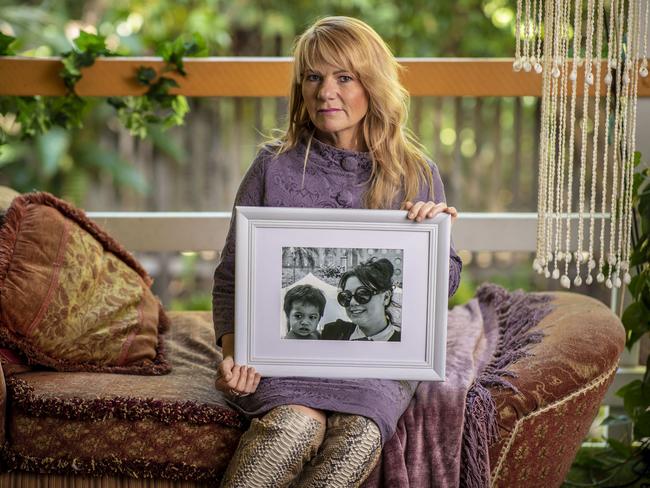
590,55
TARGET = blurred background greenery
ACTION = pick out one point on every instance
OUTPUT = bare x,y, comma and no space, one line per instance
485,148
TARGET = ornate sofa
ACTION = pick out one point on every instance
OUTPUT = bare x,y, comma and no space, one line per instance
102,429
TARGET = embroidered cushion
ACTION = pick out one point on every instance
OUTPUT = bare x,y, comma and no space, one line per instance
71,297
558,389
10,361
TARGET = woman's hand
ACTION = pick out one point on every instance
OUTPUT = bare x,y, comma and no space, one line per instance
236,380
419,211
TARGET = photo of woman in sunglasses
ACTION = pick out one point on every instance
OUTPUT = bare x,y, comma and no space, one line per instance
366,293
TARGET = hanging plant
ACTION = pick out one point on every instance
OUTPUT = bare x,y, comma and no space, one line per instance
157,107
37,114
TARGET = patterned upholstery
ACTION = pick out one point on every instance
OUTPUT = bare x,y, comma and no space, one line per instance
560,387
188,433
174,426
71,297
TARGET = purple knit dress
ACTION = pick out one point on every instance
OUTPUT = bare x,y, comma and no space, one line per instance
334,178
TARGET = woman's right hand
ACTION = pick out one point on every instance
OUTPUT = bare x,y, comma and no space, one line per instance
236,380
419,211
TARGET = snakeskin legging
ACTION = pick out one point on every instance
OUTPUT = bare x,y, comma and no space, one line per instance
289,448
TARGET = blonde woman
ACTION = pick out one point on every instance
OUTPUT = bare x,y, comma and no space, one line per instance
346,146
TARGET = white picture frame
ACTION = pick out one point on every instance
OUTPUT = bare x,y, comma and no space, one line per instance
264,236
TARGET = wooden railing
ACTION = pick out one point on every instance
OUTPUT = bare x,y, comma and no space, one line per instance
269,77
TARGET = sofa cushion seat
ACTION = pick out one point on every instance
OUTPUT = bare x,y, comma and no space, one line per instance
175,426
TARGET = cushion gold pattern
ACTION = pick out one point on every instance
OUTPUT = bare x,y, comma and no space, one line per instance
71,297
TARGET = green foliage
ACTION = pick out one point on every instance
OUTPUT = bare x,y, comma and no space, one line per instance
188,299
241,27
5,45
37,115
194,302
158,106
466,290
636,399
611,465
53,167
174,52
88,48
636,317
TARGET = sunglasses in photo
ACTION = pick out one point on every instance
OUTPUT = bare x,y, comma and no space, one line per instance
362,295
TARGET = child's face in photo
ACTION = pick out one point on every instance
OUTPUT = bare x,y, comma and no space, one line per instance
303,318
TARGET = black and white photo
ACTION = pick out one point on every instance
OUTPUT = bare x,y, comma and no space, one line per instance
349,294
341,293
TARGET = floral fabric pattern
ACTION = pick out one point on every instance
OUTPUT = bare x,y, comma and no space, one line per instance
206,446
71,298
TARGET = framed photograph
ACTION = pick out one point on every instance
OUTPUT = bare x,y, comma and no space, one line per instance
341,293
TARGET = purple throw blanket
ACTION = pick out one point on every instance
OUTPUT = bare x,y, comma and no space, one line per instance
442,438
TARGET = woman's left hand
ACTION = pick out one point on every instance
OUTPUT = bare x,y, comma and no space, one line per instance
419,211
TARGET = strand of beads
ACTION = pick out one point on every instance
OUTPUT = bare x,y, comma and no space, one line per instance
556,163
565,157
516,65
628,27
643,70
543,253
537,65
591,262
614,219
625,244
611,63
585,115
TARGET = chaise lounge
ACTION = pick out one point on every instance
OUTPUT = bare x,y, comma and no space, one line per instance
86,424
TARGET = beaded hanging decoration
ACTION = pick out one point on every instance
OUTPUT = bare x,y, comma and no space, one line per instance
564,41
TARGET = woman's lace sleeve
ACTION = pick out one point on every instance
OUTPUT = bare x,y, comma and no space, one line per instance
455,263
250,193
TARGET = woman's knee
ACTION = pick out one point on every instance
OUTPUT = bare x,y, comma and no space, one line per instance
349,453
355,429
302,424
312,412
274,449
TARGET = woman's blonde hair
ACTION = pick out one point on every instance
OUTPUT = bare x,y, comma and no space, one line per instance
399,166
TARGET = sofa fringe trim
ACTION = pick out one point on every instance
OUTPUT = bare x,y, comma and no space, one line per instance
112,465
125,408
8,235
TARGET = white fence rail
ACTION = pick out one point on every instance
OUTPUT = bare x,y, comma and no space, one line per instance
201,231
